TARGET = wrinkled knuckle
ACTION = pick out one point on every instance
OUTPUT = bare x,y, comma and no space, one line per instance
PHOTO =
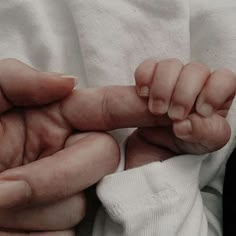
106,110
200,67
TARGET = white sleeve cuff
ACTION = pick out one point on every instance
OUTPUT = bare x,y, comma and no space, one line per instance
124,190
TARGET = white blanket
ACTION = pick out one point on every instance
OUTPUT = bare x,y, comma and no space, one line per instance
102,42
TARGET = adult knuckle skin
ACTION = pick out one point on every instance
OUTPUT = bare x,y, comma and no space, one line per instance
107,108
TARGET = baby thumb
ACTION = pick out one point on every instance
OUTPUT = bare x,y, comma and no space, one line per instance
210,133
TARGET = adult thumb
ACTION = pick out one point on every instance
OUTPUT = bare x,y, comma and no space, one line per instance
21,85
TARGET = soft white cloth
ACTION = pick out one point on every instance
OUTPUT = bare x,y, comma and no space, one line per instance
102,42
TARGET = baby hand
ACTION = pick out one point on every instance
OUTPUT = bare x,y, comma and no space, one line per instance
196,100
177,89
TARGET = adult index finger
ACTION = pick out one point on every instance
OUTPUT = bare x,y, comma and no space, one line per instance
108,108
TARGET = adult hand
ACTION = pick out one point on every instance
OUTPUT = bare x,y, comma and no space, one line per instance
44,165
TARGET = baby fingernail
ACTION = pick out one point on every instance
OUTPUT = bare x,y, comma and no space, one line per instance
157,106
176,112
205,110
183,129
13,193
144,91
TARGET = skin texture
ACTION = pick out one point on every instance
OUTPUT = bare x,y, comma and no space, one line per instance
49,156
45,165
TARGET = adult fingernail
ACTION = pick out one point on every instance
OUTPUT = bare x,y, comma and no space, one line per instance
14,193
183,129
176,112
158,106
205,110
57,75
69,77
144,91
